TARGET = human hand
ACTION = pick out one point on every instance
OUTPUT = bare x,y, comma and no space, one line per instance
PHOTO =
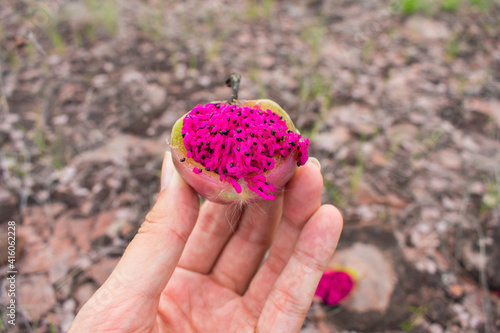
200,270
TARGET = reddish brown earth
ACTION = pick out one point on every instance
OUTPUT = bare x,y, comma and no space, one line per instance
402,110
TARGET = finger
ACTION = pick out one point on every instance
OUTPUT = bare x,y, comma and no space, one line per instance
241,257
215,226
302,199
151,257
292,294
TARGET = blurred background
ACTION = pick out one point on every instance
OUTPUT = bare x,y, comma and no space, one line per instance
401,101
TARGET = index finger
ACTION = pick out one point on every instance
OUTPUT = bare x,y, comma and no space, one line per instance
151,257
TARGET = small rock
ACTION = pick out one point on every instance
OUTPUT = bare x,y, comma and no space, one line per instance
490,108
450,159
402,133
378,301
435,328
101,270
378,158
366,194
157,95
4,245
427,29
37,258
36,295
8,205
331,141
455,292
102,223
84,292
64,253
68,314
473,260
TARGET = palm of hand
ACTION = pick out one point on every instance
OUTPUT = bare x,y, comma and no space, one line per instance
207,275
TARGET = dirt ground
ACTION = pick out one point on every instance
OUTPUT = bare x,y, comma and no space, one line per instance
400,99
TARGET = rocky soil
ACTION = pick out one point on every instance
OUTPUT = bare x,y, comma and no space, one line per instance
401,103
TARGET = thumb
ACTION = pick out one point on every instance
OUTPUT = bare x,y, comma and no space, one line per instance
151,257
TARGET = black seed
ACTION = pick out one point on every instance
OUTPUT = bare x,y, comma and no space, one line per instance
199,170
228,119
265,169
239,139
246,153
234,121
298,164
203,156
238,130
277,140
246,124
260,112
292,143
223,146
279,129
289,149
289,131
208,169
281,117
300,154
183,134
251,134
221,132
217,105
238,148
183,159
187,117
267,183
197,112
272,120
273,132
260,189
225,170
239,113
231,165
254,143
268,163
251,111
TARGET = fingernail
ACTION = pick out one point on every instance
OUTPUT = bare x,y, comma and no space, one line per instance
315,161
167,170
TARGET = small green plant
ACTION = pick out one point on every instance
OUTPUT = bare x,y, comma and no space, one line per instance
56,39
367,51
259,9
313,35
418,313
409,7
483,5
105,14
492,197
151,24
359,168
453,48
335,195
451,5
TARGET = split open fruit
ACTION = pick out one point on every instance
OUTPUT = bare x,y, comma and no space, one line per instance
242,151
